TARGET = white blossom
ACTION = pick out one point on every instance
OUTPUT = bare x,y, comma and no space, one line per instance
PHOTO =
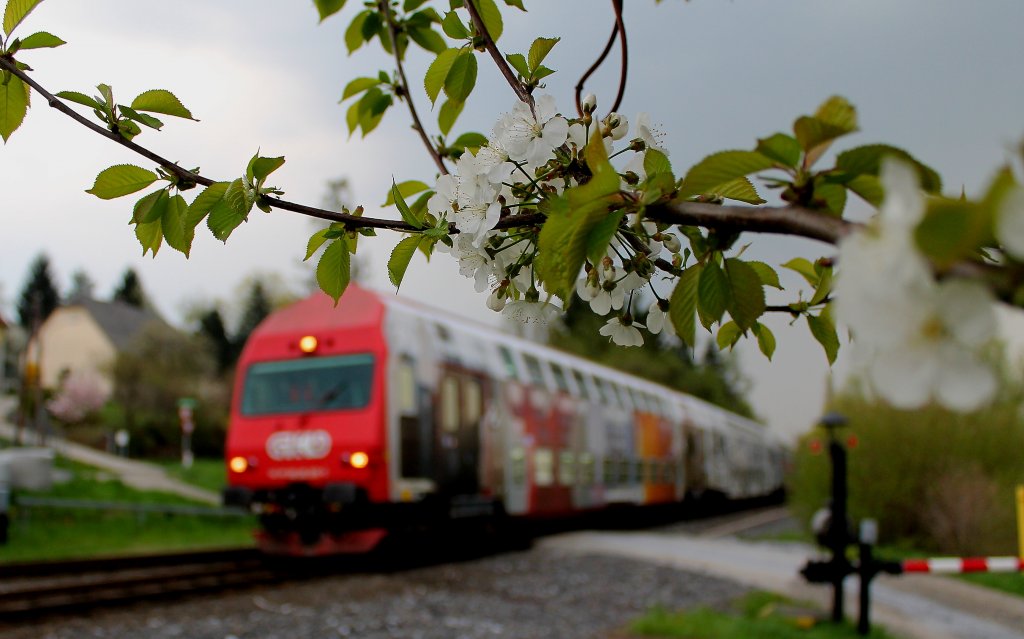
650,135
532,136
921,337
531,312
657,320
601,301
474,262
621,333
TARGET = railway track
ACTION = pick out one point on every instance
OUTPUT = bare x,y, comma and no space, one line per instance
33,590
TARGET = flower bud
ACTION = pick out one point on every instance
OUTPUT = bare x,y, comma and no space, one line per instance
671,242
617,126
631,178
589,103
496,302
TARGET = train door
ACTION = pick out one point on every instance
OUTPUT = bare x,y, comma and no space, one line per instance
460,409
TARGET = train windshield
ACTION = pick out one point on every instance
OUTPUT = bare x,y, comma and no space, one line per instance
308,385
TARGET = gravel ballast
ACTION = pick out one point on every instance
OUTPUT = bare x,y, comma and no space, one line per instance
537,594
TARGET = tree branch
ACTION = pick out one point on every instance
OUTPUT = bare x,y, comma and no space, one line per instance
385,8
618,30
787,220
624,48
506,70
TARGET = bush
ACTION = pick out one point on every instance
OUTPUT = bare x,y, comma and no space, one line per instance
934,480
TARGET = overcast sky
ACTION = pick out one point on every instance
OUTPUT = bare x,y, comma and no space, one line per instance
939,78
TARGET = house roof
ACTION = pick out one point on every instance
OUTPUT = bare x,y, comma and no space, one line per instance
120,321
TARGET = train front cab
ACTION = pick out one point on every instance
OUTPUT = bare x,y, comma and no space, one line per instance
306,446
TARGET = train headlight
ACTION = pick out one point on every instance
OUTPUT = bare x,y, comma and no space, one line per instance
359,460
308,344
238,464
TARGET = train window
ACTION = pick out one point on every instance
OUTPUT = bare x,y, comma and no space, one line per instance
638,402
618,396
517,465
586,469
509,361
625,471
566,468
533,369
543,467
472,400
581,384
308,385
442,333
406,375
602,390
560,381
450,404
610,475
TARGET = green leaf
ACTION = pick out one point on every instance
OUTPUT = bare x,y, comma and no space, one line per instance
352,118
204,202
400,258
81,98
683,304
491,17
408,215
41,40
453,27
740,189
767,274
121,179
656,162
824,287
720,168
13,105
262,167
867,160
150,207
765,339
150,235
371,108
469,141
518,62
438,71
780,147
449,112
573,228
407,189
141,118
832,195
161,101
358,86
868,187
354,33
540,49
805,268
518,4
427,38
953,229
461,77
327,8
746,298
728,334
16,12
315,242
239,197
835,118
372,26
540,73
823,328
173,224
223,220
601,235
333,270
712,293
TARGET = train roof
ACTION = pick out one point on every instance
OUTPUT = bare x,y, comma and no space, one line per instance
363,307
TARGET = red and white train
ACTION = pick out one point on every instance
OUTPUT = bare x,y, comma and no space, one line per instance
348,421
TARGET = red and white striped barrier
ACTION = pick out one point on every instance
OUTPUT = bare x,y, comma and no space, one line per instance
957,565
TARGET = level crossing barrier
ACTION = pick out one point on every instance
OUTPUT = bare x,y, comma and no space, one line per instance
961,565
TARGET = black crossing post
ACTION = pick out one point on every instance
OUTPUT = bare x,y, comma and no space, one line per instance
838,535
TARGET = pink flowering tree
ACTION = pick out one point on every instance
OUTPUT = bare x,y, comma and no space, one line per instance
572,197
80,396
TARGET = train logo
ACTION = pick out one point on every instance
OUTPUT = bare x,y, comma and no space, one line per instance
286,446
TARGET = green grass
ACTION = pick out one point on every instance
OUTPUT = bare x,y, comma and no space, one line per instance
210,474
1009,583
759,615
56,533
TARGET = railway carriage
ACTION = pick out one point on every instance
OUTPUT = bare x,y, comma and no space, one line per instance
380,413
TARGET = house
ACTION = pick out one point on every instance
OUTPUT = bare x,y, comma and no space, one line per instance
85,336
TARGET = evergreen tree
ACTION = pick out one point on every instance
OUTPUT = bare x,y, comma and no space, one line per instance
666,362
130,290
39,296
211,327
82,287
257,307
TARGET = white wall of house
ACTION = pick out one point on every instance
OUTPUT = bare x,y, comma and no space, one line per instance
71,340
